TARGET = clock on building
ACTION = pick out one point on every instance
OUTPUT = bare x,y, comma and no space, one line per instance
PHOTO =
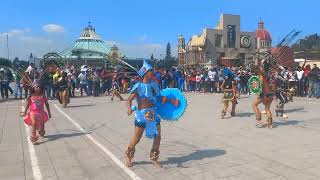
245,41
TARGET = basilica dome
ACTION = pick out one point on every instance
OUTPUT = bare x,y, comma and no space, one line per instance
263,37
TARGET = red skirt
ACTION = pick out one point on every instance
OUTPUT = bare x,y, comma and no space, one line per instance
40,116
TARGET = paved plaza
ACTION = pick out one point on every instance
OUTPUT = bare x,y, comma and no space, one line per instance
87,140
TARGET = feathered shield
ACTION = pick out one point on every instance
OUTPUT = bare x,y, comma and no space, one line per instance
168,111
255,85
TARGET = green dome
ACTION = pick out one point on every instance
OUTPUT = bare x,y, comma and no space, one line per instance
88,45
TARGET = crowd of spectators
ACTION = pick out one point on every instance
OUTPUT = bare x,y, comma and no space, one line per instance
305,80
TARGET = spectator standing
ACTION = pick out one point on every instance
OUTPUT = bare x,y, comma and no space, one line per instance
212,77
306,73
313,78
198,81
300,81
18,88
48,84
90,83
292,78
95,83
220,78
83,82
10,79
103,76
4,90
165,79
244,82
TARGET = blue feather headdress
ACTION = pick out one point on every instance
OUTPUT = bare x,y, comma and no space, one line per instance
168,111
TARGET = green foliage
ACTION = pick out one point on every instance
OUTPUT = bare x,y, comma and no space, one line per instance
168,52
24,64
167,63
308,44
5,62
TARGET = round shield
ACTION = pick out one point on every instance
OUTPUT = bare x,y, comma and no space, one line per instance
255,85
175,104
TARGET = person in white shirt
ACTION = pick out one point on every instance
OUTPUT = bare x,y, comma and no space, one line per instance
83,82
212,80
300,81
198,81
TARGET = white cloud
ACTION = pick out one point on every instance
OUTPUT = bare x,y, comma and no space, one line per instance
15,32
22,42
143,37
142,50
32,39
53,28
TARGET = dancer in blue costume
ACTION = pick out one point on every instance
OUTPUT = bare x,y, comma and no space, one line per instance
147,94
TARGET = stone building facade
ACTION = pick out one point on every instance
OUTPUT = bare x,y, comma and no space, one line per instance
226,45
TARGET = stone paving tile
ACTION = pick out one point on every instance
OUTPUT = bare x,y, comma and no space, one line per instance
12,171
314,170
255,172
199,146
239,177
291,173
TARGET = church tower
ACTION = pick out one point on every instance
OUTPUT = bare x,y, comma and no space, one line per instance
181,43
181,50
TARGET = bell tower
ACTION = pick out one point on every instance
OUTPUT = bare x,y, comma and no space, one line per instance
181,50
181,43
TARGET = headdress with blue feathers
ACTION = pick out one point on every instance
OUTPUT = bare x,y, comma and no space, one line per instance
145,68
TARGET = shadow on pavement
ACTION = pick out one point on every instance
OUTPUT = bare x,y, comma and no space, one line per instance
286,123
59,136
245,114
300,109
82,105
194,156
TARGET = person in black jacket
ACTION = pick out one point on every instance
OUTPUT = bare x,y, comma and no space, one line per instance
313,82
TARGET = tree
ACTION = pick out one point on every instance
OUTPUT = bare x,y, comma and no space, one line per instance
167,63
16,59
308,44
5,62
168,52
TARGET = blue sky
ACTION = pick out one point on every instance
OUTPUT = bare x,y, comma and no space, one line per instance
140,27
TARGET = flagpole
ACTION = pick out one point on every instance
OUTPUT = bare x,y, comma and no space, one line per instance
8,46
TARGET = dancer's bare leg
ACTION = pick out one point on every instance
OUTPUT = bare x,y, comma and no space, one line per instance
119,96
64,98
154,154
269,113
225,108
42,131
133,142
112,96
33,137
256,109
233,109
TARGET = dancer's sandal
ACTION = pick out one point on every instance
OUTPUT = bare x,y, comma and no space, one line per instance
129,156
154,156
223,114
269,124
259,122
42,133
34,139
